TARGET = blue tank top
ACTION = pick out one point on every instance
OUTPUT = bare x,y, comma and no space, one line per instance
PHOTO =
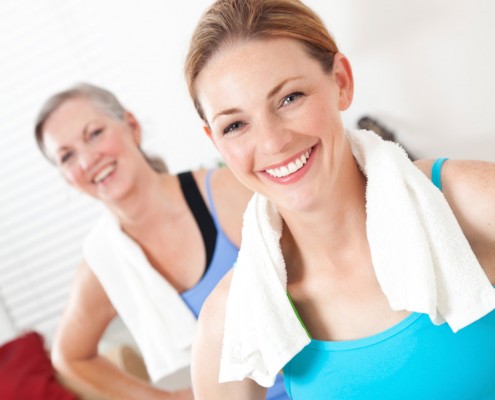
223,258
414,359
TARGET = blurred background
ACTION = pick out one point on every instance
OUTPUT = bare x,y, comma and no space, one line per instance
423,70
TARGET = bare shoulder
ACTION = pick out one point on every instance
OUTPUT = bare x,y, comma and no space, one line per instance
212,316
226,183
466,174
207,352
200,175
469,187
478,175
230,199
207,348
466,182
424,166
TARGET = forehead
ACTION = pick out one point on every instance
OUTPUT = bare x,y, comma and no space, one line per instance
71,110
68,121
252,65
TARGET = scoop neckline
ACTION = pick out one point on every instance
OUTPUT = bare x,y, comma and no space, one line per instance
368,340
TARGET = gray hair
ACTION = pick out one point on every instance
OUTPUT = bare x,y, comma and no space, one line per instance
103,99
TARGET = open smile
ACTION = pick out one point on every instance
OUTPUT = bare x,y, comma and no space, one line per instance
103,174
290,167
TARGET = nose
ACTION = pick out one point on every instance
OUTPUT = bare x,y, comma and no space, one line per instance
86,158
274,135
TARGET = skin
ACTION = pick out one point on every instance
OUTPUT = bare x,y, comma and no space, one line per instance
87,145
265,102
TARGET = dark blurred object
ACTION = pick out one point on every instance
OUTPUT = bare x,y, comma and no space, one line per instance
386,134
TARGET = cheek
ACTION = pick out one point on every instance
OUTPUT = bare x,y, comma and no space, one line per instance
325,107
72,176
238,156
114,142
325,119
111,145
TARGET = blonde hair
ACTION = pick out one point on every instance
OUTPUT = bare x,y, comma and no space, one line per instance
228,21
103,99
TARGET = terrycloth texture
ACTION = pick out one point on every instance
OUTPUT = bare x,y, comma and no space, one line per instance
262,332
160,322
421,258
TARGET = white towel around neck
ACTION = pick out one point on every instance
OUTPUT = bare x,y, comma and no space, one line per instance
160,322
421,257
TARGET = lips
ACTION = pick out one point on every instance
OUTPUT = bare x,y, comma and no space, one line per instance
291,167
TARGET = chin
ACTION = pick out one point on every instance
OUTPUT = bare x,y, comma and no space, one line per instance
110,196
298,203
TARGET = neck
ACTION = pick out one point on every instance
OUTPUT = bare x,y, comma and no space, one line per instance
152,197
330,232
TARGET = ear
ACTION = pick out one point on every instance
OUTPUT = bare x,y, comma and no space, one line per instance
134,125
343,76
207,131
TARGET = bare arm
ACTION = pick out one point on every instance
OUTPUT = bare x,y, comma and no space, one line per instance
206,354
75,347
469,187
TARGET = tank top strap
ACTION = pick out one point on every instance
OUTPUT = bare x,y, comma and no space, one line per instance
205,222
209,195
436,172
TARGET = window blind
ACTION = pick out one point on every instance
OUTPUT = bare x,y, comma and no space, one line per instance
42,221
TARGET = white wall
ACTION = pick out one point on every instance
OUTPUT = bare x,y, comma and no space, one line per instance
7,331
423,68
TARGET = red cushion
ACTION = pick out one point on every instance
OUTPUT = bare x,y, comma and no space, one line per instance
27,373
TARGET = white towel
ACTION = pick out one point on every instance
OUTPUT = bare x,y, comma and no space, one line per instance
160,322
422,261
262,332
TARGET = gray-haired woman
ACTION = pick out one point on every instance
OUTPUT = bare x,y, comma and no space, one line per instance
153,257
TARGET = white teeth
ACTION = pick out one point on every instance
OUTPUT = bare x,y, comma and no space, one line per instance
290,168
104,173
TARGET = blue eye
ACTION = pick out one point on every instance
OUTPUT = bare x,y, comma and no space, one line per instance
291,98
233,127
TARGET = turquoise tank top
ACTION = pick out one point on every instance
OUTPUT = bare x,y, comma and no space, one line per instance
223,258
414,359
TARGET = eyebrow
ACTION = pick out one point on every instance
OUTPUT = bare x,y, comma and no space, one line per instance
226,112
279,87
271,93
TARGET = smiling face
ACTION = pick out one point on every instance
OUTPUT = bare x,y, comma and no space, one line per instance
274,115
95,153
